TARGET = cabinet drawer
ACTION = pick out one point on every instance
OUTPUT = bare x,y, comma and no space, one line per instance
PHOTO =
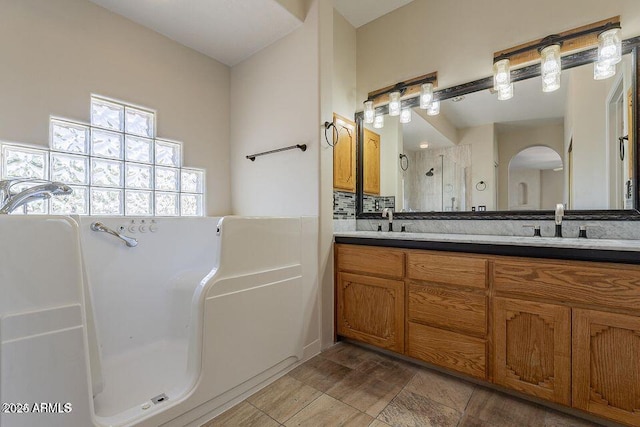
448,269
614,285
370,260
448,308
447,349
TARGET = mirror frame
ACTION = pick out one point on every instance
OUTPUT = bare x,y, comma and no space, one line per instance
631,45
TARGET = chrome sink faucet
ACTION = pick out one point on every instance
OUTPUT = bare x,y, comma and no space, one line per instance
388,213
559,216
11,201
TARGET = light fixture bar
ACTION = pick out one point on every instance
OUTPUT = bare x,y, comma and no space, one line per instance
572,40
407,89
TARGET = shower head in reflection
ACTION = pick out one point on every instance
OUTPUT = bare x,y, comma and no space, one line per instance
430,173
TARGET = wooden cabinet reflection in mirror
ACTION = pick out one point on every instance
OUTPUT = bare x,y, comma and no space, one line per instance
344,167
344,154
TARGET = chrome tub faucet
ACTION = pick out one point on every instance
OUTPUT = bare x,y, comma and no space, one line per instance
10,201
129,241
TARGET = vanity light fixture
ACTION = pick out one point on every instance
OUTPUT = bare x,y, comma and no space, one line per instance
378,122
391,98
434,108
405,115
604,34
610,46
394,103
369,112
603,70
551,67
426,95
505,93
609,53
501,74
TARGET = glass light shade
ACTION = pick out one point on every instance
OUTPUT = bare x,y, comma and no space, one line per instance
378,122
610,46
394,103
368,112
505,93
426,95
405,115
551,68
603,70
434,108
501,74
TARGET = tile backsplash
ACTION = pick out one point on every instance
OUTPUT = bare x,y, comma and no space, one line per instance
623,230
344,204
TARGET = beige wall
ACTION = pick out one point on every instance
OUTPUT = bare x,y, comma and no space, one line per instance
482,140
458,39
55,54
532,179
325,231
275,102
344,67
512,142
552,188
587,118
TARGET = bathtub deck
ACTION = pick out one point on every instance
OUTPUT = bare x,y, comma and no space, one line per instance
133,378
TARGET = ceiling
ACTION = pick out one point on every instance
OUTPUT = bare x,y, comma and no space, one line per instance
227,30
528,103
529,107
233,30
359,13
419,131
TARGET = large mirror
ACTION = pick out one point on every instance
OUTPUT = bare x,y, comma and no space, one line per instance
574,146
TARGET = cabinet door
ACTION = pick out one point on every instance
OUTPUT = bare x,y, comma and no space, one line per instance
606,365
344,154
371,310
533,348
371,152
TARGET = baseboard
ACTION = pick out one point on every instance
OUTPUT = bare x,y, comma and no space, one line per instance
216,407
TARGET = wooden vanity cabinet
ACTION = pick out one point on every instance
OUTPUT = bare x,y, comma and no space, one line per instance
581,335
370,296
564,331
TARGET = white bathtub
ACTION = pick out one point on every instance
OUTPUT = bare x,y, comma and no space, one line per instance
200,312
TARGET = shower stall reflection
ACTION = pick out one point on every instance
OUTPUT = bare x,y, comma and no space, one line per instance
437,180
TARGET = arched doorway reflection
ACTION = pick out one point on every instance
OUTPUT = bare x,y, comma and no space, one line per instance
535,179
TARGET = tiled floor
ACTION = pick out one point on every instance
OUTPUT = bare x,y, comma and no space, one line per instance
351,386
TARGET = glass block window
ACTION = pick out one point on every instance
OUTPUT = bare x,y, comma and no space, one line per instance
116,165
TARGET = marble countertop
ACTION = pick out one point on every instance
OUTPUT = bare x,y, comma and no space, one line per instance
539,242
